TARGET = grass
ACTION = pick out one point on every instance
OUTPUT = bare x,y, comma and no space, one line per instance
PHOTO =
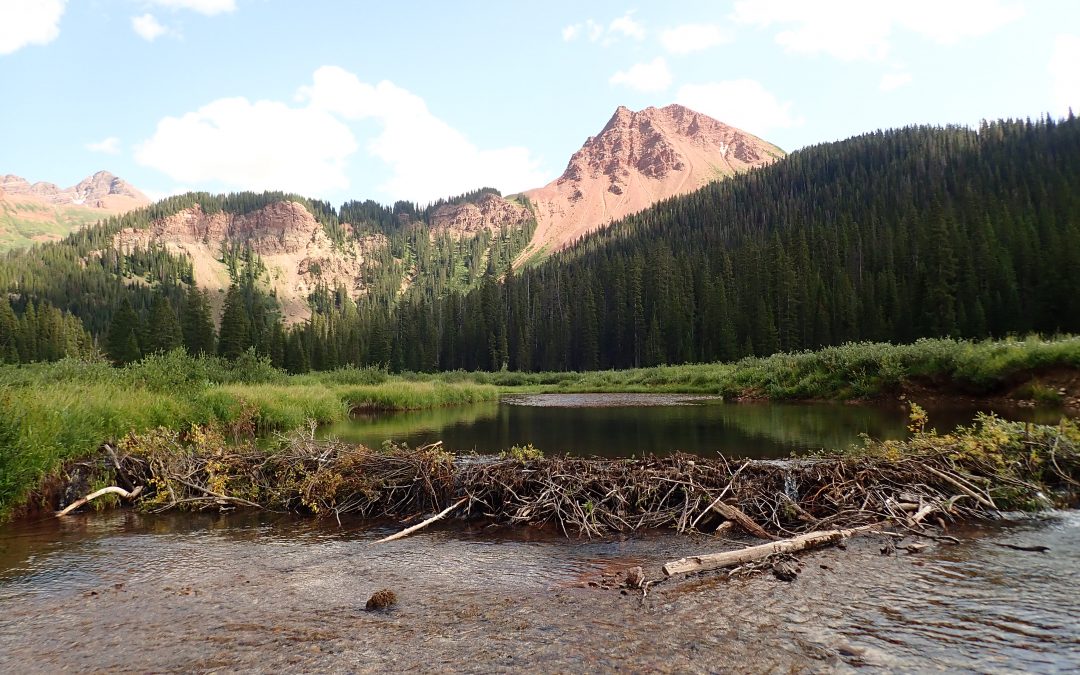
52,413
851,371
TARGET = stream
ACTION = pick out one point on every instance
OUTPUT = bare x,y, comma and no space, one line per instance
125,592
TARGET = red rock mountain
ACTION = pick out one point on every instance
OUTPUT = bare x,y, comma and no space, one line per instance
44,212
638,159
100,191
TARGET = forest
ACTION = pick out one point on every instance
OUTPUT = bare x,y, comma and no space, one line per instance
889,236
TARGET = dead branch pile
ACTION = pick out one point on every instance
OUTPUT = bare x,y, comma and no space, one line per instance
968,474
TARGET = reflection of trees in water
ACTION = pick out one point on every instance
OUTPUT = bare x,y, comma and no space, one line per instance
735,429
373,429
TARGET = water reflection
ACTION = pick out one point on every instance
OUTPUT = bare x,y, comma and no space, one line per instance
623,425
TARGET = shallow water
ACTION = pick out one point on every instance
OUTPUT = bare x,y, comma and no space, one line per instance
623,425
128,592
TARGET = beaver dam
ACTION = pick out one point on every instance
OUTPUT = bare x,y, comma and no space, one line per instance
926,481
241,558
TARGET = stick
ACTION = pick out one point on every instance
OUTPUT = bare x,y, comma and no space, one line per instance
988,503
419,526
94,495
741,519
742,556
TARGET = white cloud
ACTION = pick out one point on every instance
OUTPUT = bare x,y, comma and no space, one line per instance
627,26
264,145
853,30
207,7
693,37
893,81
428,158
305,147
623,26
648,77
109,146
741,103
147,27
29,22
1065,74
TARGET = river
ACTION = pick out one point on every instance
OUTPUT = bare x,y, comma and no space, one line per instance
124,592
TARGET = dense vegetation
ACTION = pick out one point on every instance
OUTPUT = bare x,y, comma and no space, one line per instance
889,236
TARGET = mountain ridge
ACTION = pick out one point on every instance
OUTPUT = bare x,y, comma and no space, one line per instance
42,211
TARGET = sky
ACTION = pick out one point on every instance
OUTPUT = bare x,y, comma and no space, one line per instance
342,99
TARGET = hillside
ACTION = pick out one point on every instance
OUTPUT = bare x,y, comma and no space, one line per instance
638,159
889,236
42,212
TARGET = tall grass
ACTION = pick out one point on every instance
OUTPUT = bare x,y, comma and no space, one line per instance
55,412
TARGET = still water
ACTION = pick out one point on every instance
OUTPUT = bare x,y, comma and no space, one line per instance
623,425
123,592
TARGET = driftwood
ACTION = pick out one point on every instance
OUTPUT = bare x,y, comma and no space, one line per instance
100,493
419,526
741,519
712,561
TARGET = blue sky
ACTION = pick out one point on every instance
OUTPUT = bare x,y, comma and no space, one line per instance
415,100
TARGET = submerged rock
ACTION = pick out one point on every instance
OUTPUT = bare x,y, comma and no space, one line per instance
381,600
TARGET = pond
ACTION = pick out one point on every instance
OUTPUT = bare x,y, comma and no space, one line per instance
624,425
126,592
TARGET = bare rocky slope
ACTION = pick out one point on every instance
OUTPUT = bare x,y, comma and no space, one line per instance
638,159
296,251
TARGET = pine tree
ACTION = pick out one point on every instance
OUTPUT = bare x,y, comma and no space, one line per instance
234,336
197,324
123,341
9,328
163,330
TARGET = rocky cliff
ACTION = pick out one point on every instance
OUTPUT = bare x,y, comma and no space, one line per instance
297,253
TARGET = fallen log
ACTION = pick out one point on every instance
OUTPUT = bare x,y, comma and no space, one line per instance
419,526
741,519
100,493
712,561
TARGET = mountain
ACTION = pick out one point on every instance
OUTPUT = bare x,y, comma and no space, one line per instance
381,255
638,159
889,236
44,212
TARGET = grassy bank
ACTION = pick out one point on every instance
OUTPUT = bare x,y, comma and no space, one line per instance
852,371
52,413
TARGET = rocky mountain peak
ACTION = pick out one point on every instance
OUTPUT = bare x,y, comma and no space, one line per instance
104,184
102,190
637,159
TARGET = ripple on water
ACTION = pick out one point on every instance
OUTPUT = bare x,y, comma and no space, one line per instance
248,592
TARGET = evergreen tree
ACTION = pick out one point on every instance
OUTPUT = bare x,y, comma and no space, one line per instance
123,341
197,325
163,330
235,334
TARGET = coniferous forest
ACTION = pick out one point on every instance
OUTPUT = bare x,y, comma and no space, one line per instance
889,236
